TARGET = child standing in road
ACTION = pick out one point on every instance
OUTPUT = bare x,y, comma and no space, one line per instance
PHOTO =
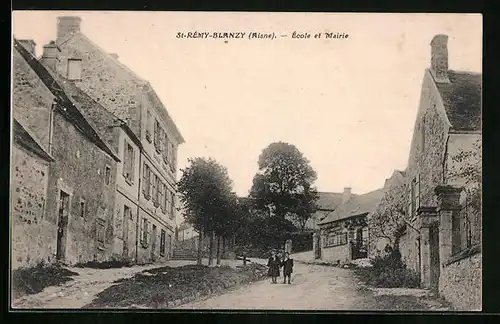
287,265
274,267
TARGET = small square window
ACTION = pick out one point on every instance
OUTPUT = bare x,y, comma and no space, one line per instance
74,69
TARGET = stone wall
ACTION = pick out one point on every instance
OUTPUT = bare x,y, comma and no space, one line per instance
79,170
33,234
461,283
341,253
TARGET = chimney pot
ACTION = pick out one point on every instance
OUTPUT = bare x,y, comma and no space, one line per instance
30,45
439,58
67,25
49,56
346,195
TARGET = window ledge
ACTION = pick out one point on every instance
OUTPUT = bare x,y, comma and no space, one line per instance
463,254
129,182
147,196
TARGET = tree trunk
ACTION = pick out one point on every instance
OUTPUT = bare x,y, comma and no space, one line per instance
211,250
200,247
218,249
223,245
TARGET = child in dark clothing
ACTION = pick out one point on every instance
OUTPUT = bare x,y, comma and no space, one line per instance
287,265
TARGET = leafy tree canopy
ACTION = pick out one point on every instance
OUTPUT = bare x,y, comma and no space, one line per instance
283,184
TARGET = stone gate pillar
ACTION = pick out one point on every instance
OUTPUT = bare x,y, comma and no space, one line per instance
449,215
288,246
428,217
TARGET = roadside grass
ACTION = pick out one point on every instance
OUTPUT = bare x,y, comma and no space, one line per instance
28,281
166,287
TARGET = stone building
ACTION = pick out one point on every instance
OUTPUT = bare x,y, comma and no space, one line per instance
442,175
60,209
327,203
343,233
146,195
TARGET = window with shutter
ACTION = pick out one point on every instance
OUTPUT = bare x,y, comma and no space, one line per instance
153,186
156,130
417,192
149,126
132,163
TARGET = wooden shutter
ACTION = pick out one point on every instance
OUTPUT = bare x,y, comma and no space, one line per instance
132,163
174,158
145,179
155,139
417,192
125,158
142,230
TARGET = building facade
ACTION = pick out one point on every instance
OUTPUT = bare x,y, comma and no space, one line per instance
343,234
145,209
443,180
71,223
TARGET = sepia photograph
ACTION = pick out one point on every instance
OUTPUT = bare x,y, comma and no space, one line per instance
196,161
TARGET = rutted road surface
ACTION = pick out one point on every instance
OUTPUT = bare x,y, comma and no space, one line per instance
313,287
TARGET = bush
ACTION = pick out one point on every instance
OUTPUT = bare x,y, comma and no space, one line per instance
389,271
109,264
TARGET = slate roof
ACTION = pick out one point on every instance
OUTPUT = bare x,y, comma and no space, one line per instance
355,206
69,109
24,138
462,99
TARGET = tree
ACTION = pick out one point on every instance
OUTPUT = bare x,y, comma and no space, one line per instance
204,189
283,184
388,221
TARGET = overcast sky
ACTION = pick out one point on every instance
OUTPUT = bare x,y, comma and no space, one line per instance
349,105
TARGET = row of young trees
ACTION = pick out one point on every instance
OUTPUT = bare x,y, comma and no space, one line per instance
281,196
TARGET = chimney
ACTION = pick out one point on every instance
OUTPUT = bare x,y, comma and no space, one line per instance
114,55
49,56
67,25
439,58
346,195
29,45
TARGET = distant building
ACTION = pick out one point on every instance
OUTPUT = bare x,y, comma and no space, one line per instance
343,233
327,203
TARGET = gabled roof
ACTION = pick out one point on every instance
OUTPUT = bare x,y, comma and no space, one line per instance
68,108
24,138
462,100
81,99
357,205
138,79
328,201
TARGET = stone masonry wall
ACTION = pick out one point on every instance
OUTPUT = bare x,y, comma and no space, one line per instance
33,235
103,79
31,100
461,283
79,168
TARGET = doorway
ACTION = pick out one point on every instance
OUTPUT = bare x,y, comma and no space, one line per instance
153,244
62,226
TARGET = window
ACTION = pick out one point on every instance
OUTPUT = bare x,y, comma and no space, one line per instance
464,225
74,69
158,193
82,208
128,163
336,239
162,242
101,231
171,155
146,174
161,139
172,205
168,203
107,175
149,125
173,165
144,232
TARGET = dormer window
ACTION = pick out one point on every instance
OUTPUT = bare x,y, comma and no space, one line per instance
74,69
